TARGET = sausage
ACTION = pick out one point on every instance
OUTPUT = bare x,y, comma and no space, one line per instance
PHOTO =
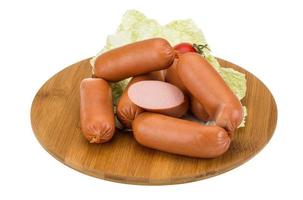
180,136
156,75
159,97
172,76
207,86
198,110
134,59
126,109
96,110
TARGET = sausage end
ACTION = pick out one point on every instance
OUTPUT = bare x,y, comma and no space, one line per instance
229,117
217,143
98,133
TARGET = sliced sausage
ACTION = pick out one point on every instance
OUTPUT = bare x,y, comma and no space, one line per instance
134,59
159,97
96,110
207,86
180,136
126,109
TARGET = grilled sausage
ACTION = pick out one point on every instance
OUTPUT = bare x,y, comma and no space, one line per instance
134,59
180,136
96,110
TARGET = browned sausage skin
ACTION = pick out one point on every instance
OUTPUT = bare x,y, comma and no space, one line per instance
180,136
96,110
207,86
134,59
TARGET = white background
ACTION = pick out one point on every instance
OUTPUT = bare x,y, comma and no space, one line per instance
39,38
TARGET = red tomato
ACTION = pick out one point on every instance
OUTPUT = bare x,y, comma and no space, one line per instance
185,47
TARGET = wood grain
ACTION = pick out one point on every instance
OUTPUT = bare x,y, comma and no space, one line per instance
55,122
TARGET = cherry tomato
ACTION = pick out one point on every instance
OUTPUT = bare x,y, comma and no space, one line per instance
185,47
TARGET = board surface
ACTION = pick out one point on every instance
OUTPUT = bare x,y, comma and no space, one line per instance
55,122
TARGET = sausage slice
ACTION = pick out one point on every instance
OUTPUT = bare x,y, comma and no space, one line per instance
159,97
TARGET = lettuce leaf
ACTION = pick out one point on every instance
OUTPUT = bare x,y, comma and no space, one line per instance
235,80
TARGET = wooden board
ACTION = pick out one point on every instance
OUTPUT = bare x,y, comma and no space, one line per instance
55,122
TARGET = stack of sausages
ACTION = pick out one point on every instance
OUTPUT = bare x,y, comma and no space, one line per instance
192,83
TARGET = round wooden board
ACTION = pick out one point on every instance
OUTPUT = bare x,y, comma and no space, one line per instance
55,122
